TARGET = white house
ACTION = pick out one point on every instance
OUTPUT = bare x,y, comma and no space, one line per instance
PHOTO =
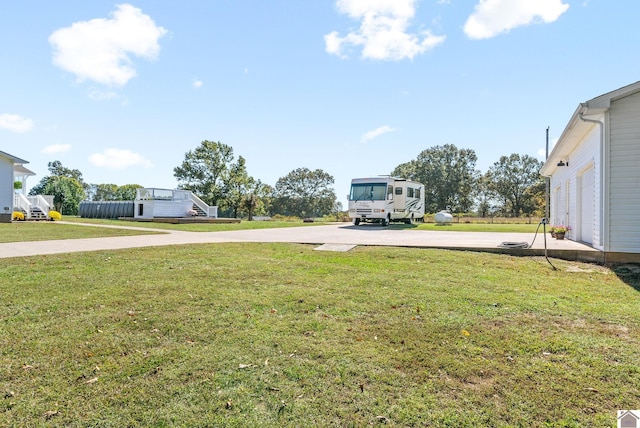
594,172
8,163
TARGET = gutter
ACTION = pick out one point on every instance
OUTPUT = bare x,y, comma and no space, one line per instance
585,109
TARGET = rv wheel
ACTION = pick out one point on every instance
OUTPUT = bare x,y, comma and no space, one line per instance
356,221
385,221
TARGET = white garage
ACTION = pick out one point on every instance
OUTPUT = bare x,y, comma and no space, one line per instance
594,172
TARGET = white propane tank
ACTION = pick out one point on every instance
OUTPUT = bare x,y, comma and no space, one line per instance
443,217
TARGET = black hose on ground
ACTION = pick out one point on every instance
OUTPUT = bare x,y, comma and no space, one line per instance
511,245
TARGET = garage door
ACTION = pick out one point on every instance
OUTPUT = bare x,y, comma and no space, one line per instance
587,208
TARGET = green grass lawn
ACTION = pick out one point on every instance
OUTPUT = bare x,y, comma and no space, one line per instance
19,231
281,335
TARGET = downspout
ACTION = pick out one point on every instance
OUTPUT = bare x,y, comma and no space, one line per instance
602,171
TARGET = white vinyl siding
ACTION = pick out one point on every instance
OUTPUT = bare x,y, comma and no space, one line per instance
587,206
155,208
6,185
567,204
624,185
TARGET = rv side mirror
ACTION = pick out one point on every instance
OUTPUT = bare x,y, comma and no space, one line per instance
390,196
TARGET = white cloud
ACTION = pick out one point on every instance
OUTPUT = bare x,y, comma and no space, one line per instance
493,17
97,95
15,123
99,49
383,31
56,148
197,84
119,159
376,133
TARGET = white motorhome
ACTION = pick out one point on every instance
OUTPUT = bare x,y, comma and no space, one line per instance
385,199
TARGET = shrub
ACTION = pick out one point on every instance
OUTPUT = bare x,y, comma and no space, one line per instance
17,216
55,215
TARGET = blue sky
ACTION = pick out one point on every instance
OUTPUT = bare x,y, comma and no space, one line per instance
121,91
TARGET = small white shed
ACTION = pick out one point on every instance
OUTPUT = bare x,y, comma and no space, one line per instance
594,172
7,164
164,203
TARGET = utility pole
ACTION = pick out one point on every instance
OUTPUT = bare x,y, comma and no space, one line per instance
546,183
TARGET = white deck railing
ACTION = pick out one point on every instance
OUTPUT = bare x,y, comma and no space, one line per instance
209,210
153,194
28,203
20,202
44,202
147,194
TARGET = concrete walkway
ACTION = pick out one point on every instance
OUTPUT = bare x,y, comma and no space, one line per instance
339,234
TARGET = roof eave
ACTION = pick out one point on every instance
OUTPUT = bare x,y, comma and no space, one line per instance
576,127
13,158
561,148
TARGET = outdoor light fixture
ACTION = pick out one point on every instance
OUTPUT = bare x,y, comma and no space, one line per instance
561,163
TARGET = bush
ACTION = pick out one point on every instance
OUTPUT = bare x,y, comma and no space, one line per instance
55,215
17,216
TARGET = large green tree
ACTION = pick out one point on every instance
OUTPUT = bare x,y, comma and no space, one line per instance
210,172
516,182
57,169
486,203
449,176
258,200
127,192
205,171
237,186
65,185
304,193
104,192
113,192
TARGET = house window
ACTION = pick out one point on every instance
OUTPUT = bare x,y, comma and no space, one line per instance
140,209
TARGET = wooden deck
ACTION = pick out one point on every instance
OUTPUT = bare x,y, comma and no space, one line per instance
182,220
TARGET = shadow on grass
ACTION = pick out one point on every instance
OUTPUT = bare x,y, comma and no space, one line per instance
629,273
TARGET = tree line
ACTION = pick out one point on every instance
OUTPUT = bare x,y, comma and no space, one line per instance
511,187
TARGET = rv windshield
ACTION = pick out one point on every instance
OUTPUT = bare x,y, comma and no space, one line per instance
368,191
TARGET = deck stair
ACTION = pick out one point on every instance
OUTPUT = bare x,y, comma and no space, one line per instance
33,207
200,211
202,208
36,213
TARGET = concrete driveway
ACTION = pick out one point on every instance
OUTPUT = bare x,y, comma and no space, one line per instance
343,234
